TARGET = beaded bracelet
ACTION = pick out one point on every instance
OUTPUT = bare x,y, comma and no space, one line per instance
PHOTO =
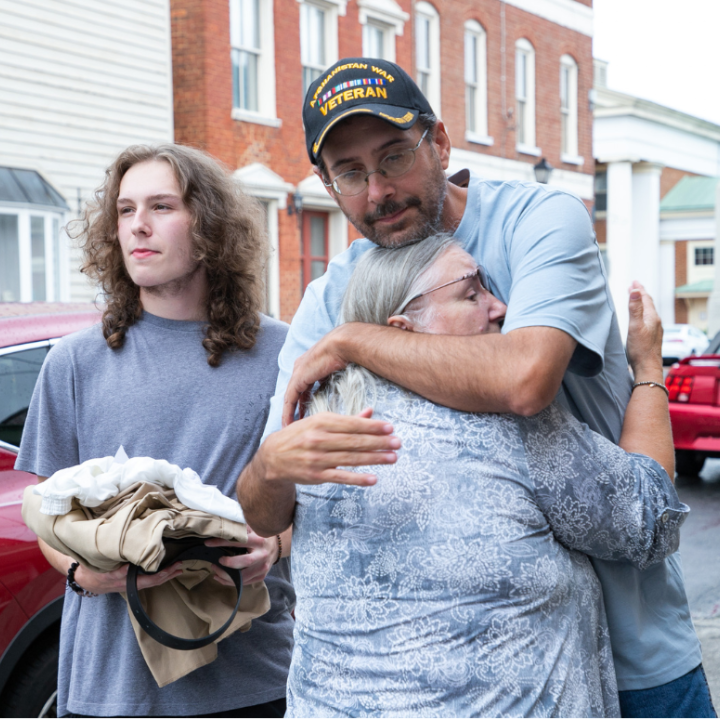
72,584
279,557
654,384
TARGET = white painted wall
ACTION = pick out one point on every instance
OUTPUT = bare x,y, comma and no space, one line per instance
628,137
79,81
497,168
645,254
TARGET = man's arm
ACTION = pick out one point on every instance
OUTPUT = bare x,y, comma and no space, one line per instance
519,372
310,452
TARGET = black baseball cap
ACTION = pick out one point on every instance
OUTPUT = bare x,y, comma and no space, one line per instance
354,86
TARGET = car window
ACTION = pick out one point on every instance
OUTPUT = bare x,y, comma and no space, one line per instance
18,373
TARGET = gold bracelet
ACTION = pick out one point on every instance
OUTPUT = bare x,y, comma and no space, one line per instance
279,557
653,384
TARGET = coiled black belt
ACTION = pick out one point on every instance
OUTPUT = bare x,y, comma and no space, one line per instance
193,548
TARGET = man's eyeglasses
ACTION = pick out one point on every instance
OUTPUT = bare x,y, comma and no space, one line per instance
479,273
355,181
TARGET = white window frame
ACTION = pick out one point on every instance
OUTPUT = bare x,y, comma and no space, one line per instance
569,112
332,9
56,253
696,273
266,113
526,145
476,83
264,184
387,17
425,11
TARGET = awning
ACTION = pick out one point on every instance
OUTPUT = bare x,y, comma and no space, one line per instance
699,289
28,187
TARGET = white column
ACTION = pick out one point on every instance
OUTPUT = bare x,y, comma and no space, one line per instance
665,301
25,257
273,273
619,236
714,299
645,248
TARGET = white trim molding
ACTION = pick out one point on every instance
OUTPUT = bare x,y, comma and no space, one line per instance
261,182
525,96
479,139
387,12
315,65
257,118
476,102
427,53
568,13
54,259
497,168
264,56
528,150
572,159
569,107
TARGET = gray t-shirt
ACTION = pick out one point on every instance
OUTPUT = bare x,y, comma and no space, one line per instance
158,397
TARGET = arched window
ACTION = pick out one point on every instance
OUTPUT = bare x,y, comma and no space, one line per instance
569,110
525,97
427,52
476,124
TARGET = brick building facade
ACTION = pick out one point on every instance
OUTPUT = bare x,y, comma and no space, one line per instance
510,79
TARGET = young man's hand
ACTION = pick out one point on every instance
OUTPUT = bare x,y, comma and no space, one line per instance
116,581
255,564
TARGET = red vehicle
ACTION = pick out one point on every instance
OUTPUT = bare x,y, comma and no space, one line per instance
694,387
31,592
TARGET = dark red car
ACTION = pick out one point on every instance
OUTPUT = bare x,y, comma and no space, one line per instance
694,387
31,592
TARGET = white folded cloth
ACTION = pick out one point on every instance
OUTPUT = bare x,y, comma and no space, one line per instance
99,479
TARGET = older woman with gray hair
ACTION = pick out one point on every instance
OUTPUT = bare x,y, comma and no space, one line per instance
460,584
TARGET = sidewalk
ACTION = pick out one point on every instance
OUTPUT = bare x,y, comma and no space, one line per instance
708,630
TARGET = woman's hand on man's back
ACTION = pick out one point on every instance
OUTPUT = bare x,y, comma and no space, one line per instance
644,342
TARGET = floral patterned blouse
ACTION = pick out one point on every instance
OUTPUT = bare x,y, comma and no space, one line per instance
459,585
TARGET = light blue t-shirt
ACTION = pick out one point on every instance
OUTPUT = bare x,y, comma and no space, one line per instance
543,261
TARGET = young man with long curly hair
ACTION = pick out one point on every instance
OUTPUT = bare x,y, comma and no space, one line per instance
181,368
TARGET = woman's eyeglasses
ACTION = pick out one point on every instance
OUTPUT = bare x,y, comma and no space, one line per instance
479,273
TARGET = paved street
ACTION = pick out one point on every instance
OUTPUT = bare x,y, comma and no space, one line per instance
700,550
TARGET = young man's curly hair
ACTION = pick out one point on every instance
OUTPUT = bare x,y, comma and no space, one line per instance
229,242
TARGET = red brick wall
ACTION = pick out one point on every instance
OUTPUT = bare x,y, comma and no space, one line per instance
550,42
601,231
670,177
202,83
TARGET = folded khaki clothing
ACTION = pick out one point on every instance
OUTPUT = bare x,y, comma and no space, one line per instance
129,528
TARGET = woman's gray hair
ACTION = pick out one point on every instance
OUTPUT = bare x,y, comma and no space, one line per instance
383,283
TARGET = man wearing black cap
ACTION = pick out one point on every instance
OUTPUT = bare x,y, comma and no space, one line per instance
382,155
